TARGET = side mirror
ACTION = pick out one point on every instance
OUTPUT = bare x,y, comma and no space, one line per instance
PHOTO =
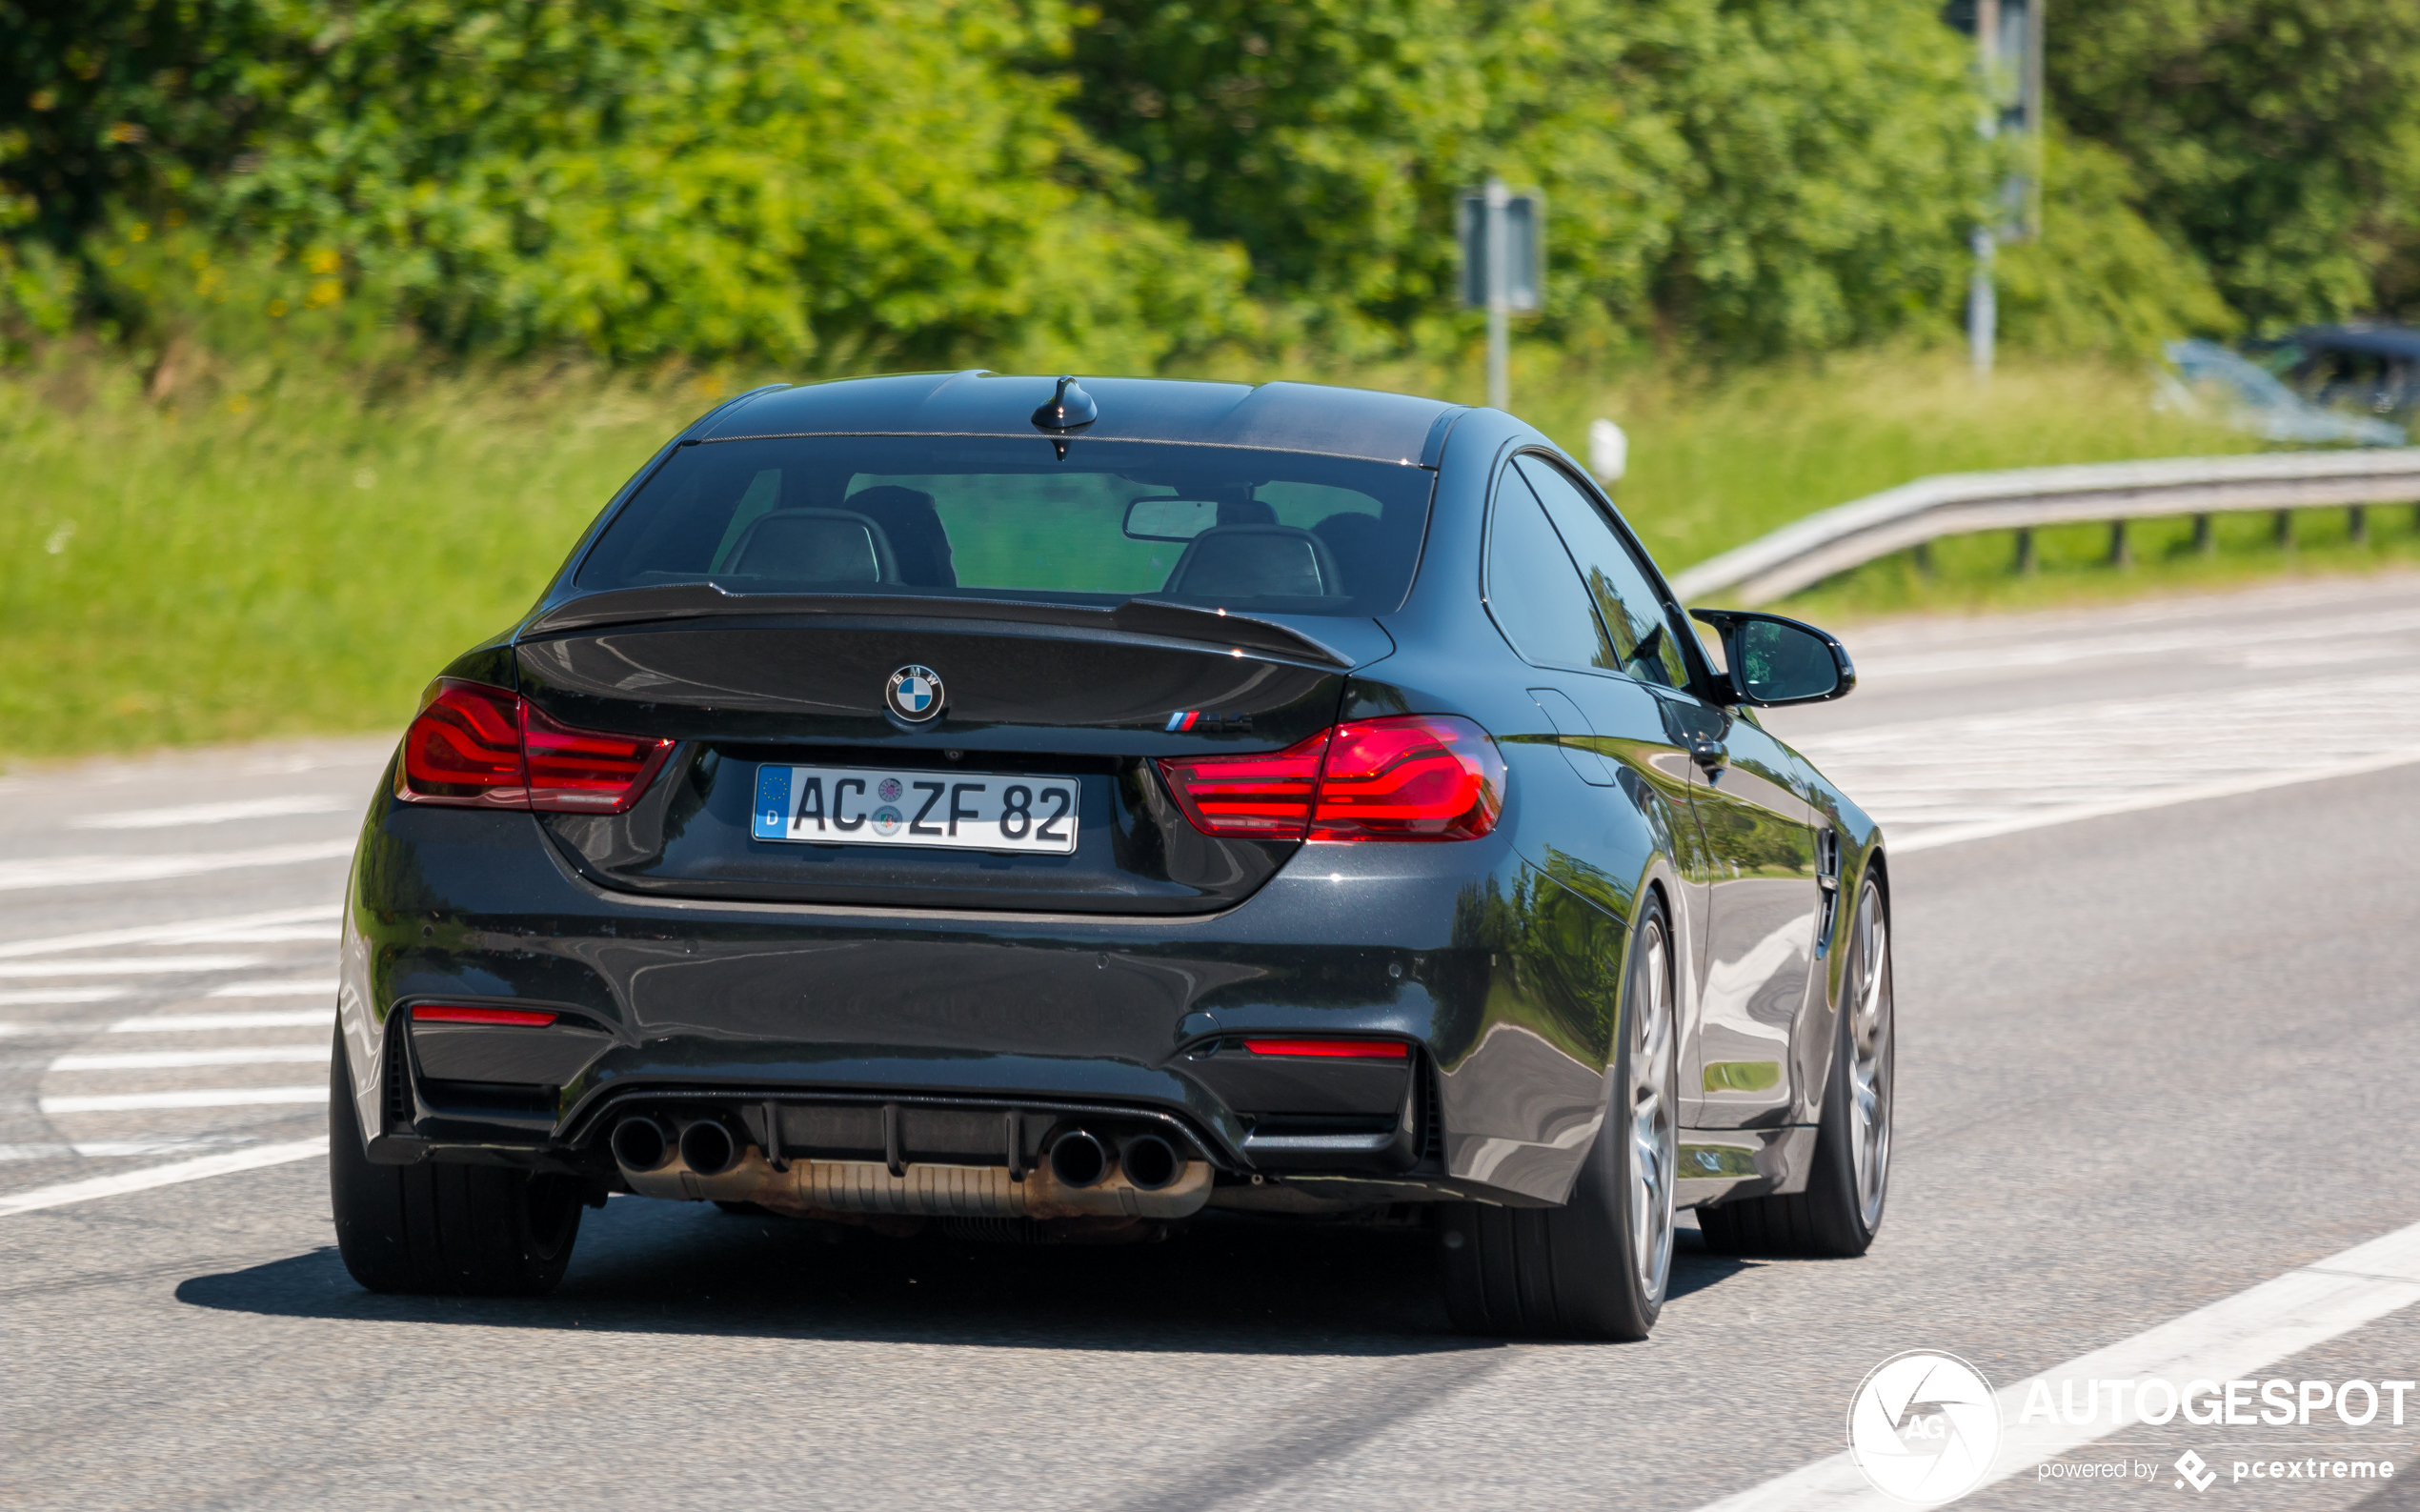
1774,660
1160,518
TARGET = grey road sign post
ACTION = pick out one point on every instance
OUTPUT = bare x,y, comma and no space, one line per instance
2008,38
1503,241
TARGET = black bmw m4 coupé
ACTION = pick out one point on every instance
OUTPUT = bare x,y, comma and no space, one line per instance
1025,809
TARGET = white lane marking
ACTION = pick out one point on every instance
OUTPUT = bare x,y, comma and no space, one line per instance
1996,774
280,935
117,1149
230,927
191,1097
1985,829
127,966
213,813
2226,1340
87,871
297,1018
57,995
298,987
208,1165
172,1060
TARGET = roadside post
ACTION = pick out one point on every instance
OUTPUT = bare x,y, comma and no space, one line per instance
2008,38
1503,243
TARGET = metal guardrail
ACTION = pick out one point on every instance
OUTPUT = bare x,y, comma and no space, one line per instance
2024,499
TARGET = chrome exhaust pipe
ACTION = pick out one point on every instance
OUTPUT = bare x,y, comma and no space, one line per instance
1151,1162
640,1144
1079,1159
707,1148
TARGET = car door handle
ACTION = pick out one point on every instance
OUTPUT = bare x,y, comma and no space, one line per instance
1709,754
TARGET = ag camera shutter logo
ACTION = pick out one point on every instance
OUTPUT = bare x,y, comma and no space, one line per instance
1922,1427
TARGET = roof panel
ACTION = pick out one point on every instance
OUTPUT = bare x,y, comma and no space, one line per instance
1285,416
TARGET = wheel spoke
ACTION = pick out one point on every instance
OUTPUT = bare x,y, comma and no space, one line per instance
1654,1137
1869,1034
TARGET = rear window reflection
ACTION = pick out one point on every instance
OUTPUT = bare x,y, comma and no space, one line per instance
1279,532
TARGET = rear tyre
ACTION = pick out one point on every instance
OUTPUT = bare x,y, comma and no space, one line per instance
1842,1208
442,1230
1599,1266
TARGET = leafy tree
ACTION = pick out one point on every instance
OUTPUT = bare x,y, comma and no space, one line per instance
2277,140
1758,173
821,182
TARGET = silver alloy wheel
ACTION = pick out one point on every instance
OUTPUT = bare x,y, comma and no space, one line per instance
1869,1057
1654,1137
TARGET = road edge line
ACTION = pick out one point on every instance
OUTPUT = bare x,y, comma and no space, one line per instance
2225,1339
208,1165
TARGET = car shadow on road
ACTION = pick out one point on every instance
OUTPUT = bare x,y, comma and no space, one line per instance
1224,1288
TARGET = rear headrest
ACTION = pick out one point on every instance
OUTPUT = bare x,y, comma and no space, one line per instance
816,546
917,538
1254,562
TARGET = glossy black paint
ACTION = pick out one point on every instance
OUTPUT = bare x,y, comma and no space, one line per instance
691,962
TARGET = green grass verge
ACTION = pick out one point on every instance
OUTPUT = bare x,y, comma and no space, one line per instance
285,550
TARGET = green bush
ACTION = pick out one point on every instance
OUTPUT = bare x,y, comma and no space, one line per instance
816,183
1759,176
2277,141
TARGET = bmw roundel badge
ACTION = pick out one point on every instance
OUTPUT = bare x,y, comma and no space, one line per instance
914,694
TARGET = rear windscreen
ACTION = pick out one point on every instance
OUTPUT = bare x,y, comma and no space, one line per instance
1225,526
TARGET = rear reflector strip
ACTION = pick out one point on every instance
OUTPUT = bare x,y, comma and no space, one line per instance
447,1014
1344,1049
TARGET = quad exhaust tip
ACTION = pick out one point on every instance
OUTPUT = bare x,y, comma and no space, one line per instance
707,1148
1079,1159
1151,1162
640,1143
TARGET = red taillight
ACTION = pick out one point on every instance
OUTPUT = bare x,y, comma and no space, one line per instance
449,1013
582,770
1252,797
1342,1048
1409,777
479,745
1413,777
466,747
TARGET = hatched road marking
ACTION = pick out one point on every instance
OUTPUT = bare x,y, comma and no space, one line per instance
85,871
252,1160
216,812
293,1018
319,921
61,994
169,1059
1934,782
189,1098
298,987
127,966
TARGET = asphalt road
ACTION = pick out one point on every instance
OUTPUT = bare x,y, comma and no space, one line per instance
2159,996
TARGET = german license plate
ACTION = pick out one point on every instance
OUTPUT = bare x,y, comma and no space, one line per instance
961,811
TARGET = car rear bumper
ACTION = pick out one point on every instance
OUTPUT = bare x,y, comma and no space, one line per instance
780,1017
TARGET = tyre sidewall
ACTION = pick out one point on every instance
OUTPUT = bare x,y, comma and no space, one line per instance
1594,1231
1839,1223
